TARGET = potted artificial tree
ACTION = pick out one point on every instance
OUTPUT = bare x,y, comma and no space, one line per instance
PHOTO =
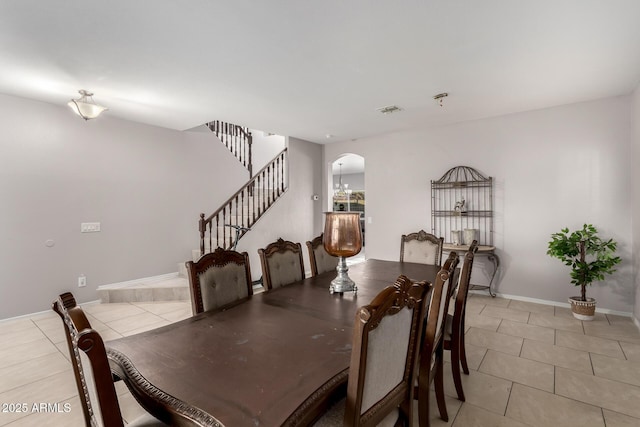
589,257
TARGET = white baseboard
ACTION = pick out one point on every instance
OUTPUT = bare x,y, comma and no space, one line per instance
24,316
557,304
145,280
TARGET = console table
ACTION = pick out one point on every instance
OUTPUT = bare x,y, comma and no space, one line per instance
483,250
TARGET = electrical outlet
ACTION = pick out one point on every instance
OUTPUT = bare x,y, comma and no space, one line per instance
82,281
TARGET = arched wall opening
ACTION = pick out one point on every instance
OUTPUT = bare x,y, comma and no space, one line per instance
346,186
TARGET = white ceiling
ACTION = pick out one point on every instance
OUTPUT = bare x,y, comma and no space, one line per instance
308,69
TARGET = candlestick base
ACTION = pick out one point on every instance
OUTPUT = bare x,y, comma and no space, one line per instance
342,283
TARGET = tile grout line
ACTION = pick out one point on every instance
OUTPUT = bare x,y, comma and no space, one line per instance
51,341
38,379
622,349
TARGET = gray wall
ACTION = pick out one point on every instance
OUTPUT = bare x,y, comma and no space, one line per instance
553,168
145,185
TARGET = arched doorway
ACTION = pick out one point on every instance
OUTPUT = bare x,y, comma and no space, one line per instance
348,188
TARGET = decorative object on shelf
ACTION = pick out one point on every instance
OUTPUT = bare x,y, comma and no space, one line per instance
85,106
590,258
342,238
456,237
470,234
459,207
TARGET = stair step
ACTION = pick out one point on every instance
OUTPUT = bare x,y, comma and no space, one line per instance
172,288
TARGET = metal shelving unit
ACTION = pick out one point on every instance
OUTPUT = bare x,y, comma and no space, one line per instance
462,199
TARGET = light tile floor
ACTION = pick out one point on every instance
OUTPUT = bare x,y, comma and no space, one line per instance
531,365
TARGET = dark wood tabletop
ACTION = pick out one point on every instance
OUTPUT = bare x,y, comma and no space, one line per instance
273,359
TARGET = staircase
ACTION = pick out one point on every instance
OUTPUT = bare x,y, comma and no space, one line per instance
223,228
237,139
236,216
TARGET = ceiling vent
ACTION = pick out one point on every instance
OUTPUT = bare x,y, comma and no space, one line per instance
389,109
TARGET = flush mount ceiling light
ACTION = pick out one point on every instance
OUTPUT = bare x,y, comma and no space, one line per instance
85,106
389,109
439,97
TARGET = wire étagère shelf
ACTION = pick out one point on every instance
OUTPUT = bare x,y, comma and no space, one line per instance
461,211
462,199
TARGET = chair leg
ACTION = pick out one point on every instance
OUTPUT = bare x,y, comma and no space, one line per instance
439,385
455,369
422,394
463,353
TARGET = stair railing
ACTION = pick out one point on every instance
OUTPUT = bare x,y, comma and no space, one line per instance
237,139
245,207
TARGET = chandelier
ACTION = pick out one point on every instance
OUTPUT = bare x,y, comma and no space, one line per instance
341,189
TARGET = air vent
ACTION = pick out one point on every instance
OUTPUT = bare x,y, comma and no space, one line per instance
389,109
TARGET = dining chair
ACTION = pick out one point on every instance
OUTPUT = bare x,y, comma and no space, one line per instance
383,359
219,278
431,350
281,263
454,325
91,369
319,258
421,247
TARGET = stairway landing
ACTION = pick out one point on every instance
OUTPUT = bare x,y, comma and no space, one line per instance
170,287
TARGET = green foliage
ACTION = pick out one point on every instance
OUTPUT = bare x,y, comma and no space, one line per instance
589,257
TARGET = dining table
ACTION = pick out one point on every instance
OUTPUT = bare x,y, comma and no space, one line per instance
276,358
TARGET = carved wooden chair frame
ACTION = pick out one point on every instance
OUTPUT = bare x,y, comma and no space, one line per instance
279,246
422,236
81,337
311,246
454,339
403,293
432,347
218,258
